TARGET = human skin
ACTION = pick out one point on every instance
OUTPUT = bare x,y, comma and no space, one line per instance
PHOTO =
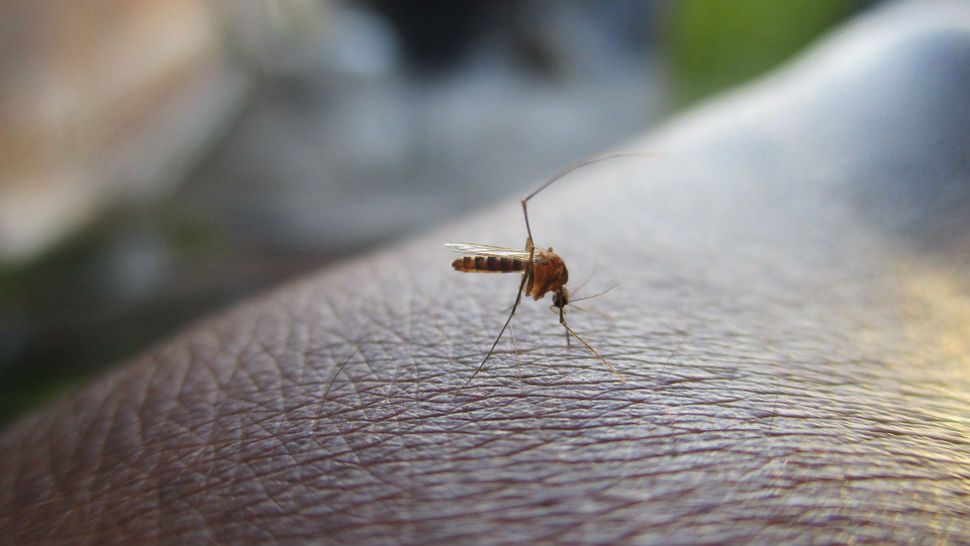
792,320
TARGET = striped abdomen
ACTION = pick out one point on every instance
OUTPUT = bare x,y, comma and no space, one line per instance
488,264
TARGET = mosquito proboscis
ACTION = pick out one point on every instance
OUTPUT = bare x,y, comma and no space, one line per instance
543,271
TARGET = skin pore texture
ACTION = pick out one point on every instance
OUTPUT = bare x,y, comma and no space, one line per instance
792,320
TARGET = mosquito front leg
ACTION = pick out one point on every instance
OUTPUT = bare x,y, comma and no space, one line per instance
562,320
569,331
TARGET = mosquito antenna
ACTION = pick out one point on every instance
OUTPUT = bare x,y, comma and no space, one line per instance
596,295
340,369
588,278
594,351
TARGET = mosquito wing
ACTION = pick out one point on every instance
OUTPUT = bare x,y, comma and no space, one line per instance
474,249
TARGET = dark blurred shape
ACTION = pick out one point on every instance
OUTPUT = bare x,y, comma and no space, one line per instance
437,33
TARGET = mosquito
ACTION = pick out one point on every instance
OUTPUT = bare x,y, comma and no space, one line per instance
543,271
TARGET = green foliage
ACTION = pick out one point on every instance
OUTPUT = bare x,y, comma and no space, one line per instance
717,43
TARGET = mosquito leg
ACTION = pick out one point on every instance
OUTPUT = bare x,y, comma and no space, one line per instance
566,171
571,332
518,298
582,164
515,351
557,176
529,243
562,320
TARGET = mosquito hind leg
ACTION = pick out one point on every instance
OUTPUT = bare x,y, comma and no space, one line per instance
518,298
562,173
515,351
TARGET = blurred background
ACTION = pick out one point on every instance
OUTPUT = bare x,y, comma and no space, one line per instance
160,159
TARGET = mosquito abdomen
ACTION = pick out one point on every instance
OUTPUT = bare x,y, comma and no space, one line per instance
487,264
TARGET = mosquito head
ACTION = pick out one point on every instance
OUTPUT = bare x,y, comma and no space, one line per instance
560,298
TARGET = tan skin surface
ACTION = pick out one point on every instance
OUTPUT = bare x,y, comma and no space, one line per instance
792,321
